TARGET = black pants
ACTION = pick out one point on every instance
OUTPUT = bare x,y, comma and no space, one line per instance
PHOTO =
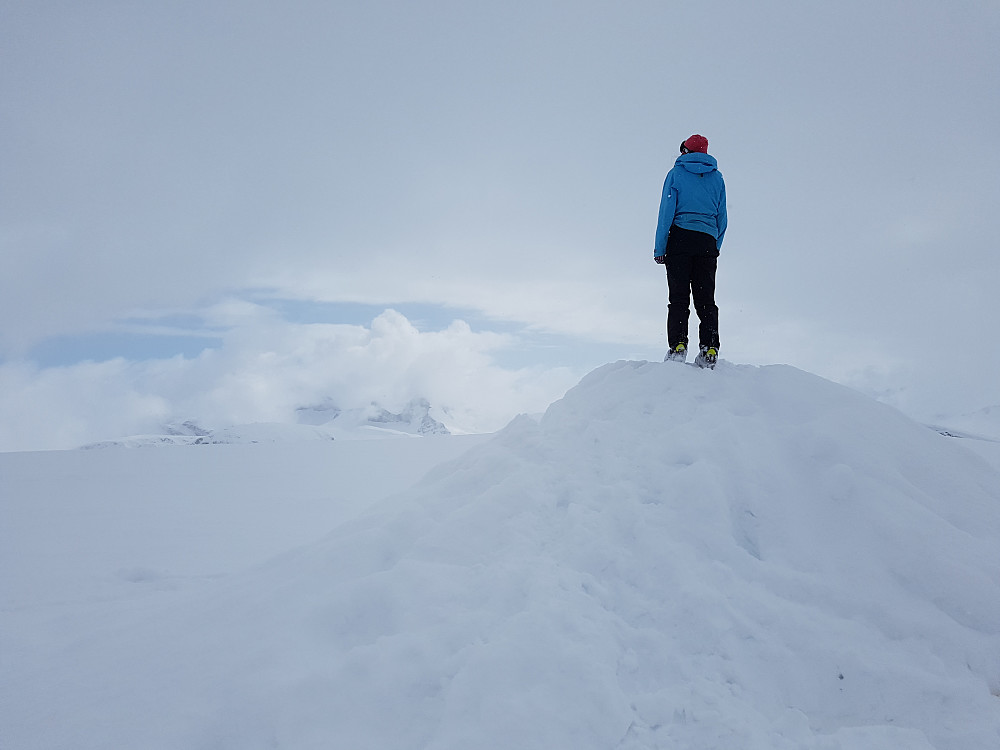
692,260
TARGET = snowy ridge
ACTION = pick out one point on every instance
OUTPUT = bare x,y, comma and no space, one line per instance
323,421
749,558
261,432
373,420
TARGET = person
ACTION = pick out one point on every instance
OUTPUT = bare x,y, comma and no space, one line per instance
689,235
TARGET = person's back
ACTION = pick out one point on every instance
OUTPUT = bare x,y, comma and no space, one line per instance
694,197
701,193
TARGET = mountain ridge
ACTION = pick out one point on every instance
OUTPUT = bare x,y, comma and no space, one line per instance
323,421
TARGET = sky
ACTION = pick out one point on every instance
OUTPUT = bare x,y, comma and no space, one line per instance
220,210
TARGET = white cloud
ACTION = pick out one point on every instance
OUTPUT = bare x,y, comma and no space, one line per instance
62,407
266,368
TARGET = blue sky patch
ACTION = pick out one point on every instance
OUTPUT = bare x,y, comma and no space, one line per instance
60,351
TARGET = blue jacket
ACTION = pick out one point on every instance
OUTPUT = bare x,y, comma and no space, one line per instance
694,197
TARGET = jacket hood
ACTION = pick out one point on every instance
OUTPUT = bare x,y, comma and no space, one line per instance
697,163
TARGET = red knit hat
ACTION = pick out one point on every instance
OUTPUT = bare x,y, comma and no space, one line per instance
697,143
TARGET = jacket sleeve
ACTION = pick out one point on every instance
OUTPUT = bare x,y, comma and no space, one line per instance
668,206
722,218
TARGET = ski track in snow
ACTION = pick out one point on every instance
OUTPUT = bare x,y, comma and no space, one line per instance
669,558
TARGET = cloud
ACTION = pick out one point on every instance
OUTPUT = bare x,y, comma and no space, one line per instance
265,368
63,407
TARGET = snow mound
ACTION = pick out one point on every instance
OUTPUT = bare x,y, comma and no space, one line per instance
749,558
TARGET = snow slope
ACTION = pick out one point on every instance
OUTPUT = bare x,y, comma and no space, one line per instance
670,558
112,524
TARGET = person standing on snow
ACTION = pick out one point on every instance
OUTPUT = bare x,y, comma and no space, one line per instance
688,239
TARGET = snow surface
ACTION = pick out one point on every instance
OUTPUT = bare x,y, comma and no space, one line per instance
748,558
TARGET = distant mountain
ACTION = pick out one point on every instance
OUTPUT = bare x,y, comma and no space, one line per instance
983,424
323,421
185,429
261,432
372,420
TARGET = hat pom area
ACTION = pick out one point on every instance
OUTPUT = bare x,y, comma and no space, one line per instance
697,143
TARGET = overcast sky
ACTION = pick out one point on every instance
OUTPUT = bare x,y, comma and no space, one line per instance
197,194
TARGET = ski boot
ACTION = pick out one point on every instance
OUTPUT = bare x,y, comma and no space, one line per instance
677,354
707,357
